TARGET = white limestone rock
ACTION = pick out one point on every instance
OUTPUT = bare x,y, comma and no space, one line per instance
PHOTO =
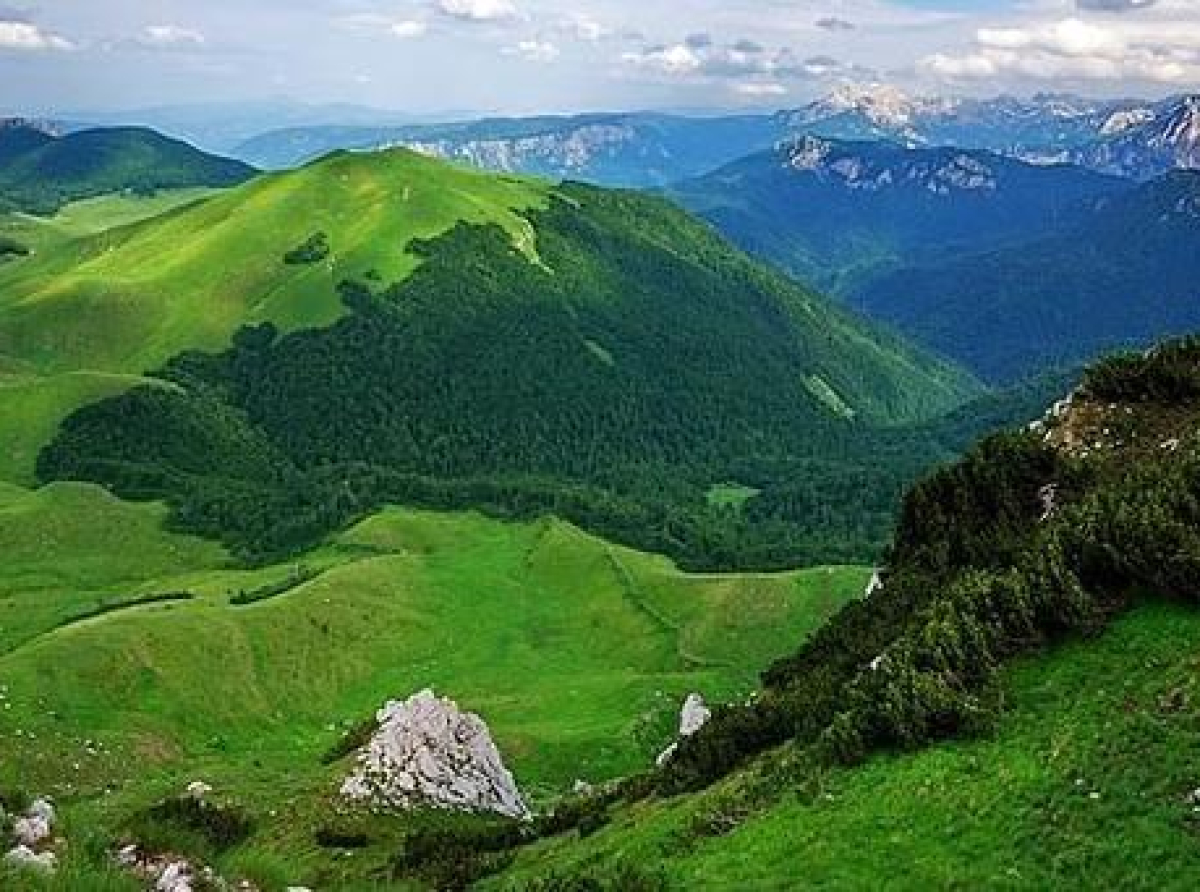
32,830
176,877
24,858
427,752
692,717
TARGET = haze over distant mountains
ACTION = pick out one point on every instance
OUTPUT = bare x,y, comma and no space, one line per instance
1132,137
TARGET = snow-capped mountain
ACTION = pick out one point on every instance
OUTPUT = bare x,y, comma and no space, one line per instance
1157,139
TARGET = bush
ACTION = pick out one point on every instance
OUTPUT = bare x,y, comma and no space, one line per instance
313,250
455,856
190,826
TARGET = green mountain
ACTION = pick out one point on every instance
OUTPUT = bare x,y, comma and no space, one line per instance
40,172
1019,680
1124,275
839,214
596,354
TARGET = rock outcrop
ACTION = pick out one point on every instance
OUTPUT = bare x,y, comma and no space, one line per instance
33,839
692,717
426,752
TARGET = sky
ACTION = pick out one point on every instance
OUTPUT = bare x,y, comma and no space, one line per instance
526,56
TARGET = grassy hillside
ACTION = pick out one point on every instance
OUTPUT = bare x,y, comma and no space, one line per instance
1085,784
125,300
407,331
40,173
577,653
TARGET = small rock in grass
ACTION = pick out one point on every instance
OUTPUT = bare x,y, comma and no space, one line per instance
24,858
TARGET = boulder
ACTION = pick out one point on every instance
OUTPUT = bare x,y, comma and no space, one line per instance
176,877
32,830
24,858
427,752
692,717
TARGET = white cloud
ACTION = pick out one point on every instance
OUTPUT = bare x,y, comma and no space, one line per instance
743,63
27,36
585,28
403,28
677,59
755,89
171,36
408,28
479,10
1111,49
534,51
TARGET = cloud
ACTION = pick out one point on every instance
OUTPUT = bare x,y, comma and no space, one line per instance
760,89
478,10
677,59
1161,52
534,51
408,28
1114,5
402,28
16,35
170,36
833,23
746,63
584,28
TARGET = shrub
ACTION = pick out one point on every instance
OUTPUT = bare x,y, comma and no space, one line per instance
314,249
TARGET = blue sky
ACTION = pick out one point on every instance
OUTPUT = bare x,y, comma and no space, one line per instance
522,56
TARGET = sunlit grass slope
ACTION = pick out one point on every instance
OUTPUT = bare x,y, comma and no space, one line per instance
577,652
1085,784
125,300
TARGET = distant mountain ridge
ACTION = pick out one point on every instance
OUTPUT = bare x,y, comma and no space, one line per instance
41,170
1127,273
1148,141
636,149
838,213
653,149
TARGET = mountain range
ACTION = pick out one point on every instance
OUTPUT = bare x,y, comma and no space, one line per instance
1126,137
839,213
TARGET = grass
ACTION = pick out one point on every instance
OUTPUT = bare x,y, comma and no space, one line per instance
1085,785
576,652
731,495
110,293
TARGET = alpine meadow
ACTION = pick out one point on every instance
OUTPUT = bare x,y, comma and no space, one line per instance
516,445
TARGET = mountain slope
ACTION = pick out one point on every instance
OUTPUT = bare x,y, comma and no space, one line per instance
612,364
39,173
124,301
636,149
978,650
837,214
1163,137
1126,274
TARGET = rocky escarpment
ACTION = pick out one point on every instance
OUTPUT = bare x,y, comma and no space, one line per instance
428,753
863,168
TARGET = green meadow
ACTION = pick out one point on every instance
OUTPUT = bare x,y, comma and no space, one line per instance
578,653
